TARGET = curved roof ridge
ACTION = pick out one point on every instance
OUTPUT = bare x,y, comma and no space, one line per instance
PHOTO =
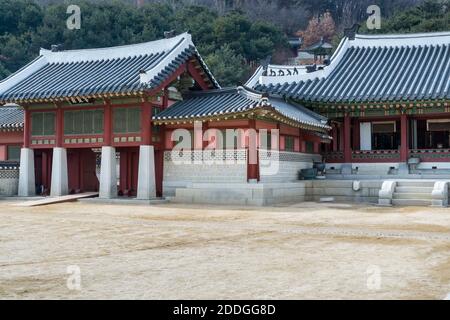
402,35
123,51
130,68
401,40
344,54
304,76
238,100
250,93
202,93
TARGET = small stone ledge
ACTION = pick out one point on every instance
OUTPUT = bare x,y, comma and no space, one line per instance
439,195
386,193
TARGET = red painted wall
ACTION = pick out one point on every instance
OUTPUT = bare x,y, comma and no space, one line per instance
13,138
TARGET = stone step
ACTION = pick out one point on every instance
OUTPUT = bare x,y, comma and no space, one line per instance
411,202
431,171
421,196
413,189
415,183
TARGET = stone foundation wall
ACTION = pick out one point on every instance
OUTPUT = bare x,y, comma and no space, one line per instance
253,194
342,190
289,164
9,181
222,166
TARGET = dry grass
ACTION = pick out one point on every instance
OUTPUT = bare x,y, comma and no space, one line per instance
305,250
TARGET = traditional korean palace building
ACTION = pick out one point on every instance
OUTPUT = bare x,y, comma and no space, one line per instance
104,120
387,98
115,120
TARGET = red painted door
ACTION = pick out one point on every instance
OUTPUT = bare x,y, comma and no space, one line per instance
81,165
88,171
159,170
43,170
73,170
129,164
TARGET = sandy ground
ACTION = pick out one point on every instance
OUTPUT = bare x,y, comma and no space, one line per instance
300,251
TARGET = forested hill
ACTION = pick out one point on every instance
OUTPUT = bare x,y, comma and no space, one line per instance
232,35
226,41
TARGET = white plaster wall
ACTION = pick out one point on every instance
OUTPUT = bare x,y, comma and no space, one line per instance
289,164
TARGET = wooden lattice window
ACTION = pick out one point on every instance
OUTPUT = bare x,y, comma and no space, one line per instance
13,153
83,121
43,123
289,143
127,120
309,145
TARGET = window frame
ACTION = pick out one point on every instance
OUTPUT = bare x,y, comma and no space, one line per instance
83,112
8,152
126,128
291,140
45,126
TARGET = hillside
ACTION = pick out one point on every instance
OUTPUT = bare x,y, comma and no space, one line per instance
232,36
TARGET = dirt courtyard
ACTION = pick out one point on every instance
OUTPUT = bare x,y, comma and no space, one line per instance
308,250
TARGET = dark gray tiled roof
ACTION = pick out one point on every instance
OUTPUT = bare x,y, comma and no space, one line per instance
100,71
318,45
374,69
9,165
237,100
11,117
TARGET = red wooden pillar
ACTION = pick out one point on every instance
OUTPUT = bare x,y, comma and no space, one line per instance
356,135
27,128
82,162
341,137
302,142
205,127
129,174
334,133
145,123
297,144
123,183
404,150
165,101
107,124
59,126
347,139
282,143
198,135
159,164
316,147
44,167
252,161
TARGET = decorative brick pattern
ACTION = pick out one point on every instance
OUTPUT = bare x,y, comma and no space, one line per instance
9,174
430,153
209,155
334,156
375,154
